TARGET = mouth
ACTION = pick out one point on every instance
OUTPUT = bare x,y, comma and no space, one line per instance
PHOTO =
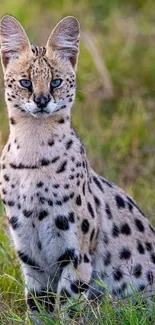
47,111
41,111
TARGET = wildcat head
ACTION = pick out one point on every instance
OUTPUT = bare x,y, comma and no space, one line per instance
39,81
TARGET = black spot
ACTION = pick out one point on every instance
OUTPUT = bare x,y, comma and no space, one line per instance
66,198
107,258
125,253
120,202
71,195
150,277
9,146
108,211
44,162
97,201
31,303
6,177
19,206
117,275
40,184
51,143
130,206
135,205
66,186
125,229
62,222
21,166
13,221
69,144
42,214
79,286
89,188
105,237
92,234
27,260
27,213
58,202
140,248
12,121
85,226
50,202
115,231
78,164
74,287
71,217
153,258
86,259
67,257
39,245
137,270
56,185
148,246
10,203
97,182
55,159
152,229
104,181
83,188
141,287
61,121
90,209
78,200
62,167
139,225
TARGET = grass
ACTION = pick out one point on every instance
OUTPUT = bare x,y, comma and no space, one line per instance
114,114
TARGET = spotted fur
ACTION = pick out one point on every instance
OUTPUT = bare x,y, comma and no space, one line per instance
70,226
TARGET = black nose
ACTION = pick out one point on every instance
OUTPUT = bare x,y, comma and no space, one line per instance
42,100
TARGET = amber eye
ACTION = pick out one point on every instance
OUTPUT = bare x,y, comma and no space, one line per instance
26,83
56,83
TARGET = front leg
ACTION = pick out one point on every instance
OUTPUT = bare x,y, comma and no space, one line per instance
75,277
40,298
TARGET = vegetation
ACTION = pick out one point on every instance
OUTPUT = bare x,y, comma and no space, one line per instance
114,114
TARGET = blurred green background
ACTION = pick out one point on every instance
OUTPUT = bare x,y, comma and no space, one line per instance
114,111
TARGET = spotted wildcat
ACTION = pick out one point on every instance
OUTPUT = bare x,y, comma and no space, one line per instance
70,226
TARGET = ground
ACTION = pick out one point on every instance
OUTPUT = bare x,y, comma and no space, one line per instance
114,115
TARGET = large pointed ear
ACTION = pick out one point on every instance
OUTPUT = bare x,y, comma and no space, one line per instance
64,39
13,39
